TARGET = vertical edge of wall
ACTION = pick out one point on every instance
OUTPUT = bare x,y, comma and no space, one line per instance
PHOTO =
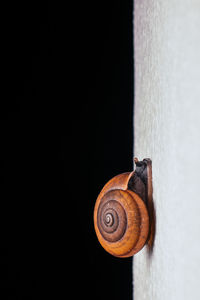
167,129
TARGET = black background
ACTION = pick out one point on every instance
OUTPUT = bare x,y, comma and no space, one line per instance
66,129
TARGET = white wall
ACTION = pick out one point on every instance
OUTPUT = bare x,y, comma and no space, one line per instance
167,129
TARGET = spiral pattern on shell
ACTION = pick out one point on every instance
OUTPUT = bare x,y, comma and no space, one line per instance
112,220
121,222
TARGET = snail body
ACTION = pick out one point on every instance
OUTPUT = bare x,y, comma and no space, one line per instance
121,217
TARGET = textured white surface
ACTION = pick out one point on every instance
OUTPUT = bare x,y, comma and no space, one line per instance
167,129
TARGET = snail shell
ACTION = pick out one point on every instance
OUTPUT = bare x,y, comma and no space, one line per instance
121,218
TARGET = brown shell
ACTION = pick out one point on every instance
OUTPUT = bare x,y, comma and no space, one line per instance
121,218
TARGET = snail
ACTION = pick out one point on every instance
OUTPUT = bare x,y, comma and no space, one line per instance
123,211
